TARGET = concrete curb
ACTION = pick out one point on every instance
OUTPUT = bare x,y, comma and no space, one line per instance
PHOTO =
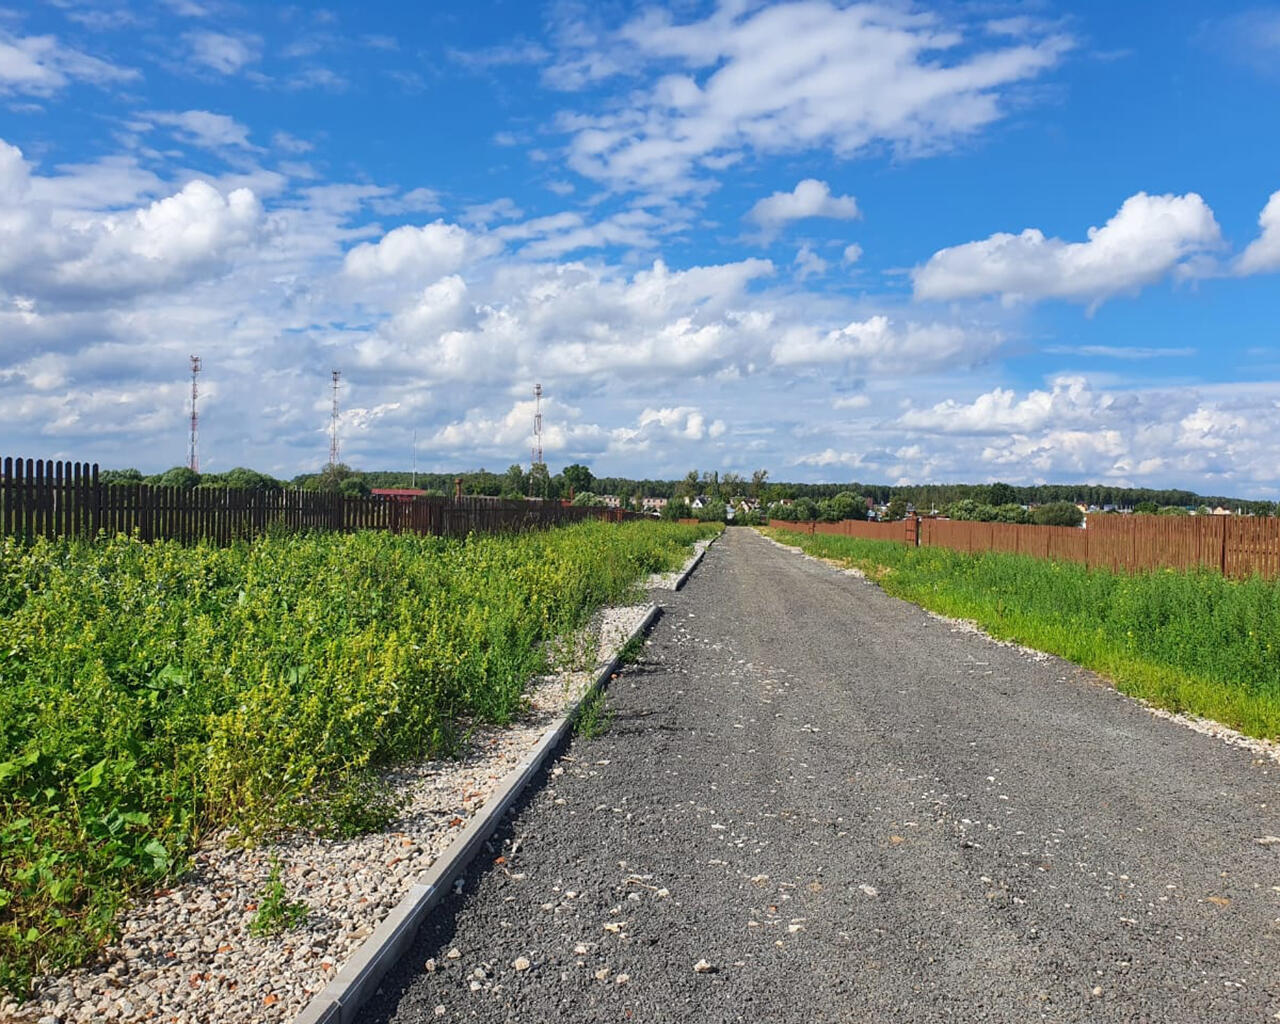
697,560
358,979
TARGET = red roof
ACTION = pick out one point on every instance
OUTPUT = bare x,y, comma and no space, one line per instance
397,492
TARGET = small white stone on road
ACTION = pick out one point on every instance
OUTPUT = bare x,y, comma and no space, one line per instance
622,979
702,967
440,1011
521,963
453,954
870,890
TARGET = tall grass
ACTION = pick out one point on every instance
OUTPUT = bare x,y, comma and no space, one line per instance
1188,641
150,692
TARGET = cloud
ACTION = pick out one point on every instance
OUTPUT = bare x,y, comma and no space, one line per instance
851,402
808,263
58,256
786,78
205,129
1208,436
879,344
1263,253
851,255
414,255
42,66
810,198
1069,402
1148,238
220,52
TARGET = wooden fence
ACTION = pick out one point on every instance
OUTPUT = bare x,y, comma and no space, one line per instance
45,498
1234,545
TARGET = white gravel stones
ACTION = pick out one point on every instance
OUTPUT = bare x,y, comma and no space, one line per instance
521,963
703,967
185,954
668,580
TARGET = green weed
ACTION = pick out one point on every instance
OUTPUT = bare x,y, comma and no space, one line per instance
594,717
276,912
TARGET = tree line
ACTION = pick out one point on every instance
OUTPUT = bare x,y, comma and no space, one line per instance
993,501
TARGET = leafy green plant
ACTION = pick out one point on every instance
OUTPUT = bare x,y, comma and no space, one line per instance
594,717
150,693
276,912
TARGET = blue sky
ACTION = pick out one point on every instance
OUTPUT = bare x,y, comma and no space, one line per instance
884,242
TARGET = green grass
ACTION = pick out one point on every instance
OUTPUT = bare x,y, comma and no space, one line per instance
276,913
593,718
151,693
1188,641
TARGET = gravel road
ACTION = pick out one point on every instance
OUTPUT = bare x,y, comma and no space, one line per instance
818,803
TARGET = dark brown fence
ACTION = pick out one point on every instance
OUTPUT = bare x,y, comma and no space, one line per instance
1238,546
46,498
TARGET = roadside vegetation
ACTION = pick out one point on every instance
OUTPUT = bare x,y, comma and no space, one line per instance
152,693
1195,642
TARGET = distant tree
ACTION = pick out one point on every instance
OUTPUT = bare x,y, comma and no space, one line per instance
1173,510
806,509
896,510
586,498
1057,513
1002,494
353,487
242,479
688,487
1146,508
330,478
675,509
120,476
1012,513
578,477
179,476
758,480
712,512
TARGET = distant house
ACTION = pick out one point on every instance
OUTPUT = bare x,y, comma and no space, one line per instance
610,500
653,504
1220,511
700,501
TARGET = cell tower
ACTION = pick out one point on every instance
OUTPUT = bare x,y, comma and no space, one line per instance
538,424
333,421
193,449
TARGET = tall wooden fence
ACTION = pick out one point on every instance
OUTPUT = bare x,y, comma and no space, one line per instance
1234,545
46,498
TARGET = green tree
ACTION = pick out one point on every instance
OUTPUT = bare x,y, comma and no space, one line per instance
578,477
1002,494
586,498
1146,508
896,510
758,480
179,476
120,476
1057,513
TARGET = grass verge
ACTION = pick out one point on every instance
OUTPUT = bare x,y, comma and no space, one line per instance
1193,642
152,692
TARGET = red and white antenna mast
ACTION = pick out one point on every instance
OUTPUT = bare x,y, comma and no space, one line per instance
193,448
333,421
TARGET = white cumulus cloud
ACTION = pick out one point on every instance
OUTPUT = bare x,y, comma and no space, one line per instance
1263,253
1149,237
810,198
